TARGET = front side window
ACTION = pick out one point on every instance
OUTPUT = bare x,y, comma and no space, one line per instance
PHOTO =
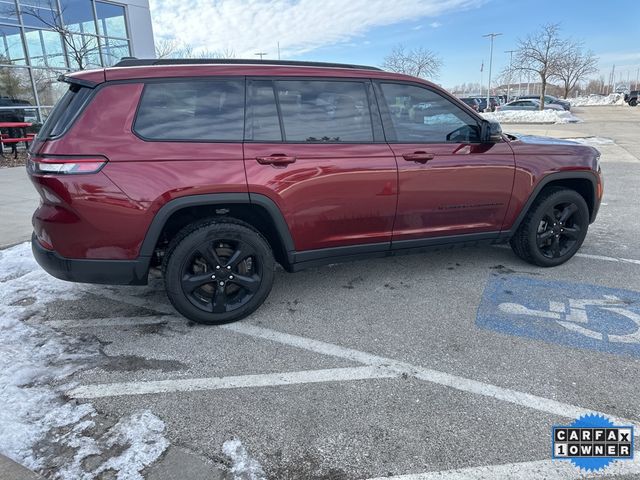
324,111
420,115
192,110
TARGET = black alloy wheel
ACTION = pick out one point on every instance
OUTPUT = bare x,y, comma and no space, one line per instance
558,230
219,272
553,229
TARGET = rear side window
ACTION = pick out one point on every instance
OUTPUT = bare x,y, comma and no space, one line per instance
263,123
197,110
65,111
324,111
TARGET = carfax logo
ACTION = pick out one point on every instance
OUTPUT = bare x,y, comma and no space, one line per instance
592,442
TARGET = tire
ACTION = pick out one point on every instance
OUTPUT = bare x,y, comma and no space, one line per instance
553,229
218,271
633,102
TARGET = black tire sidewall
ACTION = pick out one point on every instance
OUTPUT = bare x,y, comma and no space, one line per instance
208,233
566,196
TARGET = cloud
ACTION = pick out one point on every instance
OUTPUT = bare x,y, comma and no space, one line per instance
435,24
299,25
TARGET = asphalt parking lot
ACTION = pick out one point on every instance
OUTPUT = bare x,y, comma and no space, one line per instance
450,364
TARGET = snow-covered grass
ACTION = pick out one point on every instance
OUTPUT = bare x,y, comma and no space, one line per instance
532,116
592,100
34,361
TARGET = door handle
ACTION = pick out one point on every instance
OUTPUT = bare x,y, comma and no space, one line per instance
276,159
418,157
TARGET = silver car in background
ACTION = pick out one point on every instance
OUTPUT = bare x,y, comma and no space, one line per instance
528,104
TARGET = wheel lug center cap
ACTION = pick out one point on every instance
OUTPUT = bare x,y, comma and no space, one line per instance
223,274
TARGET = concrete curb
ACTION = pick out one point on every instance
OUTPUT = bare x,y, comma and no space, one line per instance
10,470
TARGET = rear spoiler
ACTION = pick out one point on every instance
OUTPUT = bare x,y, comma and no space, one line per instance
90,79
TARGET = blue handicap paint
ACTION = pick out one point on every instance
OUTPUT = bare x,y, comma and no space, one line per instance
573,314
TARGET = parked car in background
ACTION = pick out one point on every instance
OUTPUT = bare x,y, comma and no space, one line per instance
530,104
472,102
632,97
549,100
215,171
493,102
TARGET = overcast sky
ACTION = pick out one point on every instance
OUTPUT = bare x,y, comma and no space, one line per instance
363,31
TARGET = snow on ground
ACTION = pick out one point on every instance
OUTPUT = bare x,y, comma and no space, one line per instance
591,100
594,141
243,467
33,360
532,116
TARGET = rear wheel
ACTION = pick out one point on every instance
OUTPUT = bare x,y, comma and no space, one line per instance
633,102
218,272
553,229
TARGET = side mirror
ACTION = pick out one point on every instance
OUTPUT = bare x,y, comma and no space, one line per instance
491,132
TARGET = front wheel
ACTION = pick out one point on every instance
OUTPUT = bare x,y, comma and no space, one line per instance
553,229
218,272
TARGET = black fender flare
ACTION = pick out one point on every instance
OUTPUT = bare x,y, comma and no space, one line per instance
546,180
171,207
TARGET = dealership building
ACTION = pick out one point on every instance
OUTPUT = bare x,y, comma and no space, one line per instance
43,38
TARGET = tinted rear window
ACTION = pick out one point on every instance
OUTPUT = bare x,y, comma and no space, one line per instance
65,111
206,110
324,111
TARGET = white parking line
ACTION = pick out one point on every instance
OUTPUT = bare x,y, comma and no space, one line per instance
528,400
591,256
559,469
221,383
608,259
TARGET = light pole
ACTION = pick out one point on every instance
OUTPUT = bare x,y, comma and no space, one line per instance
261,54
492,36
510,52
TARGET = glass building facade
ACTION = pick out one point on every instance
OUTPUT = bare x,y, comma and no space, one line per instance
40,39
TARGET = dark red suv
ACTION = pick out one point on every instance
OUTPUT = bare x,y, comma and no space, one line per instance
216,170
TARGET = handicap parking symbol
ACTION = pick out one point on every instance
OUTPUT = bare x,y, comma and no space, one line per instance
574,314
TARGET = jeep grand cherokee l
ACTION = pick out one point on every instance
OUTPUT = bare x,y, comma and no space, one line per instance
216,170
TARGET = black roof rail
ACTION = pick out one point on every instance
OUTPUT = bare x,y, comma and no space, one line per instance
142,62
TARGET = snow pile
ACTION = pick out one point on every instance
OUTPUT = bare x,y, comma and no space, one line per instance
591,100
243,467
594,141
532,116
33,360
141,433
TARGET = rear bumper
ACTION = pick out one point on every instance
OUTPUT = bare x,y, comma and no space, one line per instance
110,272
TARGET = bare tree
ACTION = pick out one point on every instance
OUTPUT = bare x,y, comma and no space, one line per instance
223,53
418,62
574,66
173,49
166,48
542,53
82,50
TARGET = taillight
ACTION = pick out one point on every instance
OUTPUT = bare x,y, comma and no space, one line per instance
67,165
